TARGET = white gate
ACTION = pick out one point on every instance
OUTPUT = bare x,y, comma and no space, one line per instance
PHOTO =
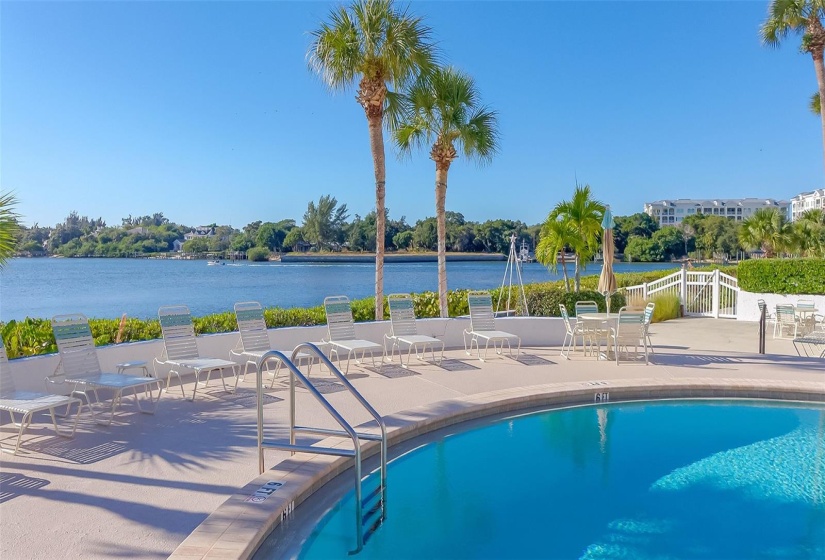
728,295
705,294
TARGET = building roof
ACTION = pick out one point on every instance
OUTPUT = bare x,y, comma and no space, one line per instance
720,202
817,192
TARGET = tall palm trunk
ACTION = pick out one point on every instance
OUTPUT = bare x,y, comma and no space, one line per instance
377,149
577,275
817,54
564,271
441,170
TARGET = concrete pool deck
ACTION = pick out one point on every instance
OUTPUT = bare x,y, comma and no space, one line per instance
140,488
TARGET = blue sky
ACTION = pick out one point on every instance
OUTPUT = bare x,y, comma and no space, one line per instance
206,111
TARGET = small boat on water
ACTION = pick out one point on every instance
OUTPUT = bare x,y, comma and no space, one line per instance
215,263
524,255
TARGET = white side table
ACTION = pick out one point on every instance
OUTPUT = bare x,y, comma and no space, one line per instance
136,364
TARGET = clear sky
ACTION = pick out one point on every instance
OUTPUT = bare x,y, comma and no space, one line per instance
207,112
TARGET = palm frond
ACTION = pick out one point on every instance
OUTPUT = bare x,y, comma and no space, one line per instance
8,227
335,54
374,40
444,109
786,17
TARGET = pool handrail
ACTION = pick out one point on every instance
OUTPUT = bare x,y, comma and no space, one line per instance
348,431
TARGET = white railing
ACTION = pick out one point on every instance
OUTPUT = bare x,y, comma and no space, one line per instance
709,294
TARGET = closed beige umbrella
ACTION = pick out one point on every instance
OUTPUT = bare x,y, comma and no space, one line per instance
607,280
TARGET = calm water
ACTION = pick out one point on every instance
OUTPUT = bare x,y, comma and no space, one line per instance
639,481
107,288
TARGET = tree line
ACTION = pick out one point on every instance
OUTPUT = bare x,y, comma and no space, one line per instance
326,226
573,226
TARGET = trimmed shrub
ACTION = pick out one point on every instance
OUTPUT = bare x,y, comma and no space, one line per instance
783,276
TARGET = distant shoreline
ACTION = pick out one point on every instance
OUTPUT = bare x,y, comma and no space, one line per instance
389,257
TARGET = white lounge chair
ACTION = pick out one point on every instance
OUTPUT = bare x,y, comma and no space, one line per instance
483,327
403,330
181,355
571,333
79,370
629,331
254,341
28,403
341,331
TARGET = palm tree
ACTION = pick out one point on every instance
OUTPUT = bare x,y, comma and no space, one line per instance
443,110
555,237
808,233
380,46
8,227
767,229
802,17
584,215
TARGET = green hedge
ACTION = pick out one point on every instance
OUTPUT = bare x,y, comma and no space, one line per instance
783,276
34,336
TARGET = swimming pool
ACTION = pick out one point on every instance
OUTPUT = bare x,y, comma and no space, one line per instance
653,480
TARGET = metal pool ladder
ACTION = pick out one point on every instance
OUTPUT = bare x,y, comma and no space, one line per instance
370,511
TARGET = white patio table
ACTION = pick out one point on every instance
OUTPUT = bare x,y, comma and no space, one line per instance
607,321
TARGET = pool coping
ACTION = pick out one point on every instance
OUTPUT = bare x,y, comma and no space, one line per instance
238,527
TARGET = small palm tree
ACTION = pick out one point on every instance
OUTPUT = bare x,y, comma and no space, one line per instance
584,214
555,237
767,229
808,233
378,46
443,111
8,227
803,17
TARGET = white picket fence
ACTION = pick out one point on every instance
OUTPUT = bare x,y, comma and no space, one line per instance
706,294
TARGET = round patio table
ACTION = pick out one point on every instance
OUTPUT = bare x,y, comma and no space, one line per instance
608,321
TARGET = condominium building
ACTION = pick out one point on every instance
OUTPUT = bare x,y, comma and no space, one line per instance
814,200
672,212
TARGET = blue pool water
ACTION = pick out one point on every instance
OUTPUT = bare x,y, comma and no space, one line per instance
641,481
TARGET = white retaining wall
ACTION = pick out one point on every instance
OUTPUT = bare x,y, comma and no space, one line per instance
747,308
29,373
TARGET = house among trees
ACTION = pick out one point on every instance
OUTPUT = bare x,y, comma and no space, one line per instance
200,232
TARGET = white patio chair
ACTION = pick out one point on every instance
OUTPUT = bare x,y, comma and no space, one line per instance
483,327
649,308
595,332
79,370
181,355
629,331
253,342
806,313
28,403
572,332
787,321
403,330
586,306
341,332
